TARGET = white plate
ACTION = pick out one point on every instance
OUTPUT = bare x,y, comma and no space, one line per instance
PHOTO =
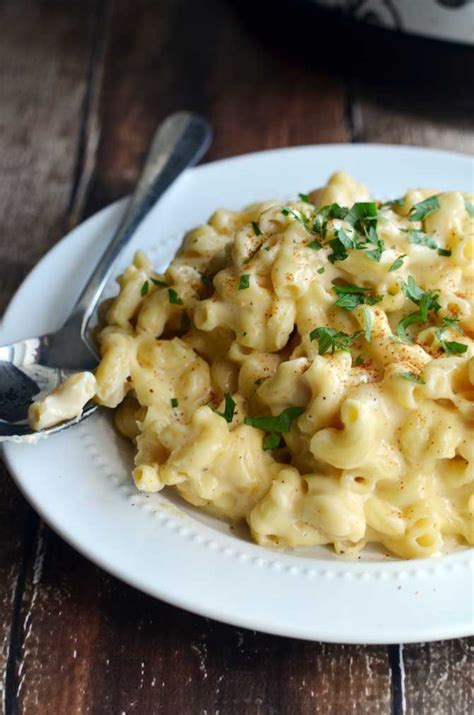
79,481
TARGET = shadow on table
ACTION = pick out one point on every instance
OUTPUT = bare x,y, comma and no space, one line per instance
404,71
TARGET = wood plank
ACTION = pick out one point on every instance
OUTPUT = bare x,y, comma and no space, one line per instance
439,677
402,114
150,73
112,649
43,65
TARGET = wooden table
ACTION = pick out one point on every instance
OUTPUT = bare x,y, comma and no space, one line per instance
83,84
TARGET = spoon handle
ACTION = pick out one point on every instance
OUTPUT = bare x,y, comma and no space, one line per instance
179,142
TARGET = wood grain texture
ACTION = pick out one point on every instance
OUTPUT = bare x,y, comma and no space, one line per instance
77,640
43,63
44,53
200,56
112,649
403,115
439,677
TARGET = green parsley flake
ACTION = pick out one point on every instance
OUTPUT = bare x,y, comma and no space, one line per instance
173,297
244,281
324,214
144,289
229,408
271,441
256,228
444,251
453,347
469,207
421,239
339,246
321,270
398,263
305,198
359,360
160,284
426,300
298,215
330,340
423,209
350,296
367,324
412,377
259,381
412,291
393,203
452,322
278,423
362,213
374,254
315,245
174,402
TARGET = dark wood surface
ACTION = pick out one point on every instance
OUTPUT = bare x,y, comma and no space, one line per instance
82,86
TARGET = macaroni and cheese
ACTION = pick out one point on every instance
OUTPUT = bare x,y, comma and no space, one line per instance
305,366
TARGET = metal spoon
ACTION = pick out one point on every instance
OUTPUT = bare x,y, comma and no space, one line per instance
33,367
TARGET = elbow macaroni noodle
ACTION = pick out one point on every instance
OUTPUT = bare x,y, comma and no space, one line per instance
306,368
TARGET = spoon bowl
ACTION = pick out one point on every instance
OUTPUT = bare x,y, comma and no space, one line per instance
32,368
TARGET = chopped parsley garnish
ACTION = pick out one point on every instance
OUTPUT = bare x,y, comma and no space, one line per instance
324,214
315,245
144,289
332,211
444,251
259,381
160,284
173,297
229,408
349,301
421,239
411,290
244,281
339,246
321,270
278,423
374,254
423,209
256,228
469,207
452,322
361,214
330,340
398,263
359,360
451,346
426,300
350,296
174,402
271,441
305,198
207,281
412,377
405,323
298,215
392,203
367,324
